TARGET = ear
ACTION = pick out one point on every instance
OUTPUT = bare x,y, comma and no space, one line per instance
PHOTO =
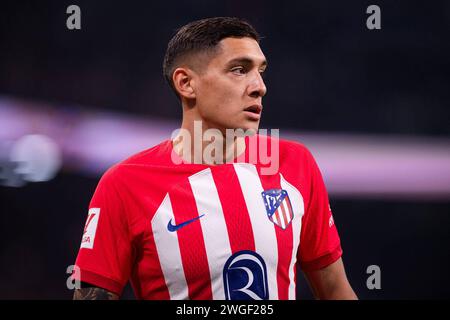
183,81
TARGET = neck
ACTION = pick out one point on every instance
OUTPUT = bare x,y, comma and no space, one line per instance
199,142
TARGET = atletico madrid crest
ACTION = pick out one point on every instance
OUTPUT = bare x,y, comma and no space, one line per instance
278,207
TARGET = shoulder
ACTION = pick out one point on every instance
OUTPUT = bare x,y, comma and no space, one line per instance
294,147
156,155
289,149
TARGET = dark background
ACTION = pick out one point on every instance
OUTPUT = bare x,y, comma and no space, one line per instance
327,73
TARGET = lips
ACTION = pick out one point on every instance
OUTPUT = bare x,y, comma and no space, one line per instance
253,112
256,109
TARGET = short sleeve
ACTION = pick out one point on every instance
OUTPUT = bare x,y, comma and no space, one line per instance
319,241
105,255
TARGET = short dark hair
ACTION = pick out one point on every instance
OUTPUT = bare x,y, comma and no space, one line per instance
203,36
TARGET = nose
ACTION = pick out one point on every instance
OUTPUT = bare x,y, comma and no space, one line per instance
257,88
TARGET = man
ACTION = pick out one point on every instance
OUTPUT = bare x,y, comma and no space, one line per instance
183,227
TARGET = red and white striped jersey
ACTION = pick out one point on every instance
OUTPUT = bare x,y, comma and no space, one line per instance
194,231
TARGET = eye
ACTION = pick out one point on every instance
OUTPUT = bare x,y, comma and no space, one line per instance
238,70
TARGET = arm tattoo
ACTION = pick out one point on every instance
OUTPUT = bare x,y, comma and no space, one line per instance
94,293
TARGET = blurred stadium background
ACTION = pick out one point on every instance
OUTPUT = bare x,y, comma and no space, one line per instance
373,107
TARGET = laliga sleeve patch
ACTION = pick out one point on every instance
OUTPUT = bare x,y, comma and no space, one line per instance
90,228
331,219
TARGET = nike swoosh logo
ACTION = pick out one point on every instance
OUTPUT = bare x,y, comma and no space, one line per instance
172,228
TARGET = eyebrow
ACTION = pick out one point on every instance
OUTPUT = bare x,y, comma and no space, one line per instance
246,61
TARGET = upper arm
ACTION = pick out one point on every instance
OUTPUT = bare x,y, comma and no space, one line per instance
320,244
331,282
106,254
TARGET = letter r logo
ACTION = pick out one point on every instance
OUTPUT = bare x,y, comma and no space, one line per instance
245,277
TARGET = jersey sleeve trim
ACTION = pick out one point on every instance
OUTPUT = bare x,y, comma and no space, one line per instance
322,261
100,281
